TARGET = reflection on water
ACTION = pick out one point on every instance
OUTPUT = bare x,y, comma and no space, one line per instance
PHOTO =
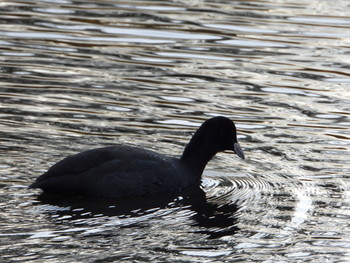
82,74
218,220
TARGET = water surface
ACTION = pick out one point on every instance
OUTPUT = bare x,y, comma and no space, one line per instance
82,74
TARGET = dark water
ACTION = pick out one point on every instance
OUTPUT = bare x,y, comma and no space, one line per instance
82,74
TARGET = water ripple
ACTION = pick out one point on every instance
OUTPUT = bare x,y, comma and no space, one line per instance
82,74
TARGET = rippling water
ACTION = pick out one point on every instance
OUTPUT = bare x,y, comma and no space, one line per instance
82,74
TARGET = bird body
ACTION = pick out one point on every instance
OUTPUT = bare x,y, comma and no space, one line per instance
119,170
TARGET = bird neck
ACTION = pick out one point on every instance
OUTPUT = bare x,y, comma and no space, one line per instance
196,155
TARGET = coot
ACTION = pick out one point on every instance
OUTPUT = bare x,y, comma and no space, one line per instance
118,170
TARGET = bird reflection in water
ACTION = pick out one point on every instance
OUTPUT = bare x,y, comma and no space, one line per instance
214,220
